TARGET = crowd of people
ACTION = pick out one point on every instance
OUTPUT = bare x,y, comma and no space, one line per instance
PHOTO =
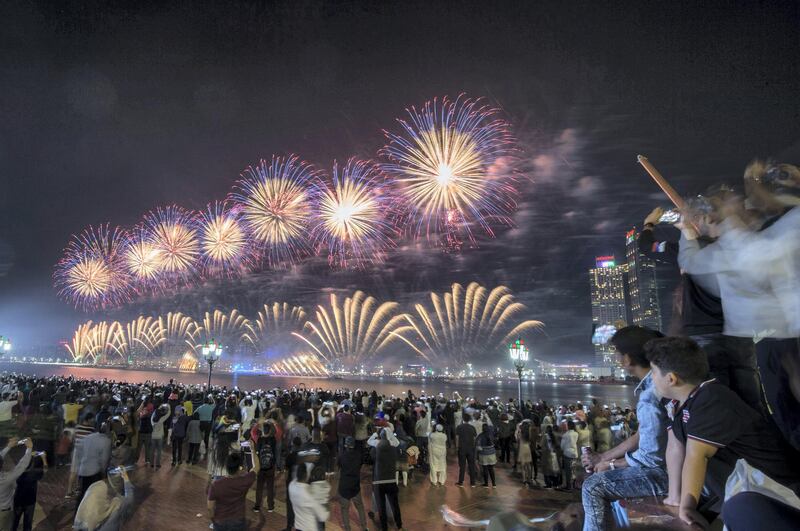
715,431
302,437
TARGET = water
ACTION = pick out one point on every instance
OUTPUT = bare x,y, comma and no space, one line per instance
553,393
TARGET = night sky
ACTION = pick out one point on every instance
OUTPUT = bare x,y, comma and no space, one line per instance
109,109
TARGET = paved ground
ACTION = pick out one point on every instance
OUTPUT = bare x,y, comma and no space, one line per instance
174,498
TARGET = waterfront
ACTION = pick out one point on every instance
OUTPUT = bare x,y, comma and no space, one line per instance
552,392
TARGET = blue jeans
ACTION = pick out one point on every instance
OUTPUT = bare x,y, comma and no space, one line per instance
600,489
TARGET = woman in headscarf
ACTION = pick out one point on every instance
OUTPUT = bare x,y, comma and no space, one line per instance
102,509
437,442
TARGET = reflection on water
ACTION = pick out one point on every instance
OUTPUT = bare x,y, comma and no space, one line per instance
554,393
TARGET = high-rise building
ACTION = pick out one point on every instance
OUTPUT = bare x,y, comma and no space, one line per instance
609,310
642,286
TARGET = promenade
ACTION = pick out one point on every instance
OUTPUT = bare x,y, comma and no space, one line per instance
174,498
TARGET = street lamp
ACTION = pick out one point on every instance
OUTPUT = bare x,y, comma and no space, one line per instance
5,345
211,352
519,355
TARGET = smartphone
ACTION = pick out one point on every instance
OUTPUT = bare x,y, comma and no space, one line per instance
22,441
670,216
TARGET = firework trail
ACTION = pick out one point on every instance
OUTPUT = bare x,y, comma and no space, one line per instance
274,327
465,325
351,332
226,329
453,161
353,217
223,242
276,200
143,337
98,342
300,365
172,232
180,333
91,273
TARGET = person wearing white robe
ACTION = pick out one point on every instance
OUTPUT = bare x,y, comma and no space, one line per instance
437,450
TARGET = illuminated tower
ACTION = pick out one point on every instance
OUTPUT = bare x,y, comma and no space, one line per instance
609,311
642,286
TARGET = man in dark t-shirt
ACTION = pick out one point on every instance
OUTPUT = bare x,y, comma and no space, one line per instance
466,435
712,428
226,497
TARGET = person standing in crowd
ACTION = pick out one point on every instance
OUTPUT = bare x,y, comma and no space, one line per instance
345,425
505,434
144,442
291,465
104,510
524,455
421,431
308,510
266,460
437,444
713,432
179,423
27,489
158,419
350,483
637,467
487,455
205,414
465,440
384,481
227,495
194,436
92,456
8,480
569,453
550,467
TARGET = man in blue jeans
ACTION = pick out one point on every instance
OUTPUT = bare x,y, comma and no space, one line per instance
636,467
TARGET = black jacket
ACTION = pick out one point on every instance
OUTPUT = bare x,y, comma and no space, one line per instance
350,478
385,468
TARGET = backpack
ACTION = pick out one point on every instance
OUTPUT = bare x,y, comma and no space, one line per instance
265,457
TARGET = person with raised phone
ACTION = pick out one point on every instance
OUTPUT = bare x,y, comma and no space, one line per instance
711,430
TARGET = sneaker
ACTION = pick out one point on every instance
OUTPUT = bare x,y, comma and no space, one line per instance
473,485
486,486
459,484
270,510
494,486
256,509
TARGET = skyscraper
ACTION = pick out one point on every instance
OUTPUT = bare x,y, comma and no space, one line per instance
609,310
642,286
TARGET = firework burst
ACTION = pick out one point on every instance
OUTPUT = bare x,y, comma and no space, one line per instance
452,162
91,273
98,342
142,260
223,242
276,200
143,337
274,327
353,214
351,332
173,235
465,325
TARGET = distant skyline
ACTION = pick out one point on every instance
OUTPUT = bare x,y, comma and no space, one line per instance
109,111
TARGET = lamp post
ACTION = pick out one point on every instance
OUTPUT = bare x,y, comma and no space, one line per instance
519,355
211,352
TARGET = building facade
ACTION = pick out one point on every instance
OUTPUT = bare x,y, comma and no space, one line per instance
609,309
642,285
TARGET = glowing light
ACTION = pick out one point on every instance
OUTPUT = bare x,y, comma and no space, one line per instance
465,324
454,156
142,260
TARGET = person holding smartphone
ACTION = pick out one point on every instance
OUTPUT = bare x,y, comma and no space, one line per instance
8,480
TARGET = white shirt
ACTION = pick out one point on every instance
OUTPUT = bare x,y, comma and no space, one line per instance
5,409
308,511
569,444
